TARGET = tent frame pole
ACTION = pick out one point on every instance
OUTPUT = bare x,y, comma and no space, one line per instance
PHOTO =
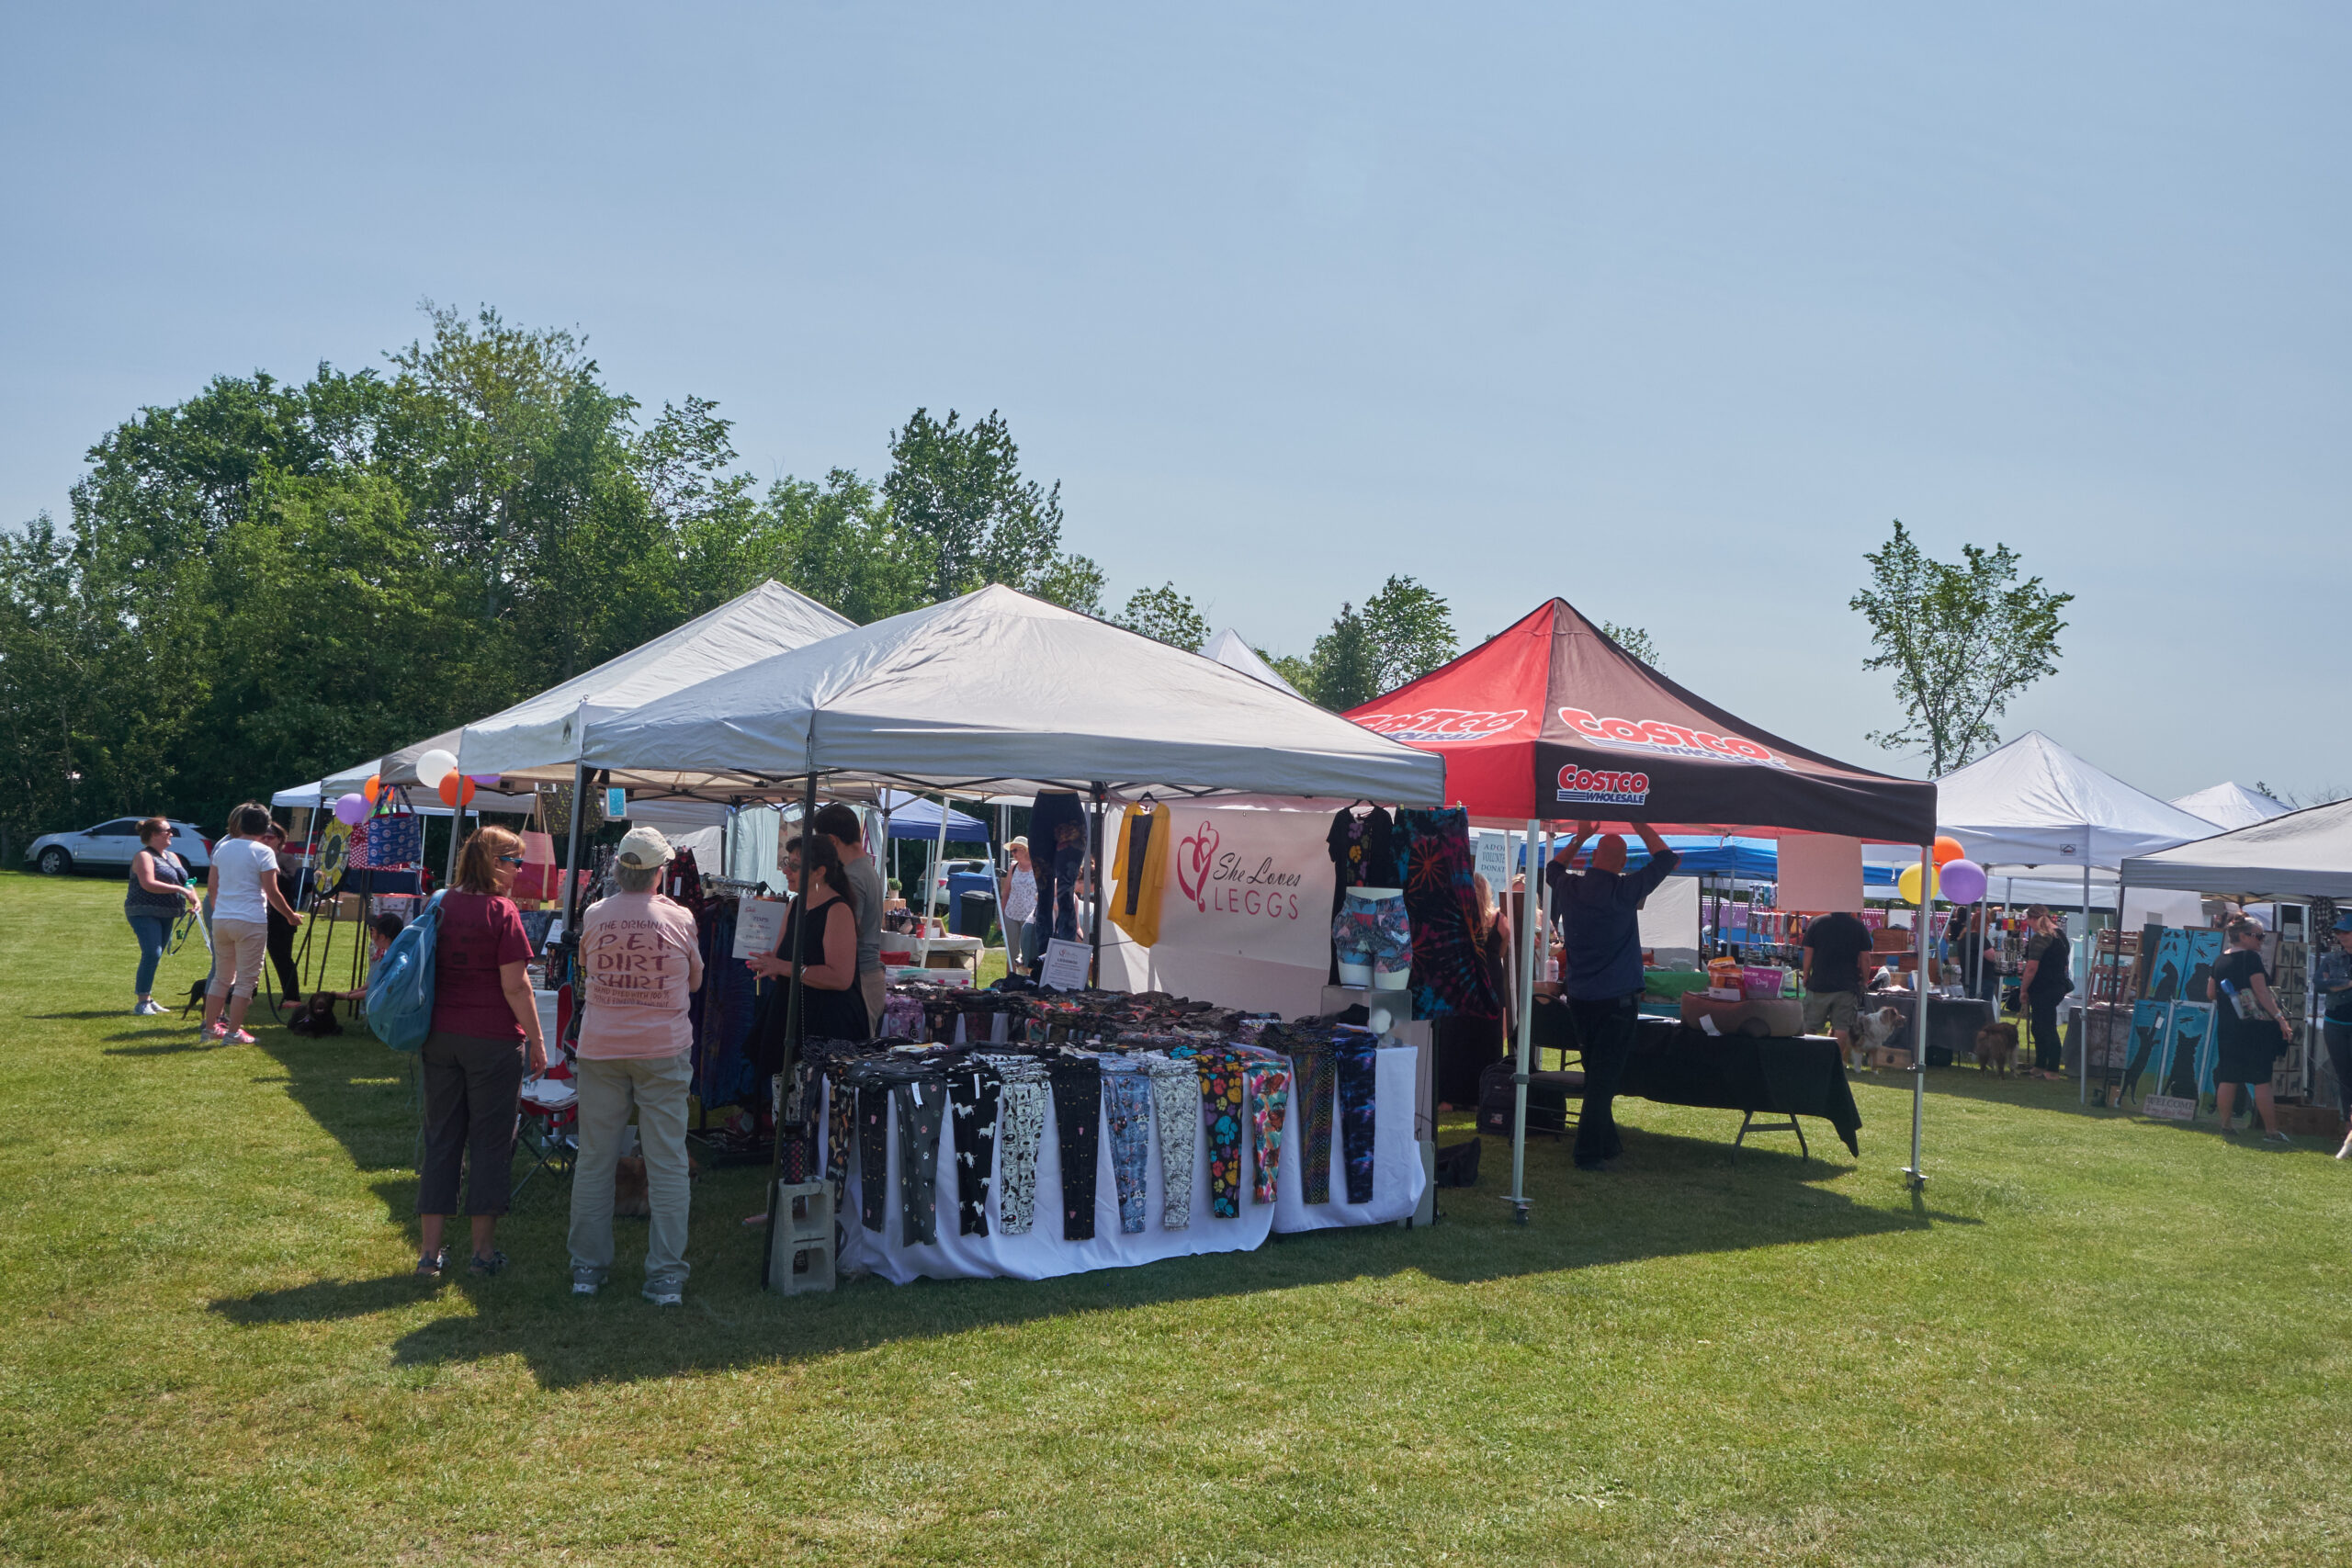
1527,919
2082,965
1914,1174
571,857
1094,879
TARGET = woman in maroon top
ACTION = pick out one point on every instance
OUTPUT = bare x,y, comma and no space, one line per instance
485,1038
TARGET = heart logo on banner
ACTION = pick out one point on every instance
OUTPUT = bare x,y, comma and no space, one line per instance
1194,854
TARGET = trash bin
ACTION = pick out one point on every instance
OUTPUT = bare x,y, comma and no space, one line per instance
975,913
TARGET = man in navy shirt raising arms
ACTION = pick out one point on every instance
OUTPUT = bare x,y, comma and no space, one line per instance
1599,913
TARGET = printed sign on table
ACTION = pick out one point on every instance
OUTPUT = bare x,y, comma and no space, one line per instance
1066,964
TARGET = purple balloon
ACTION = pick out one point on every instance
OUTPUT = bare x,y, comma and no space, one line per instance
1963,882
484,781
351,810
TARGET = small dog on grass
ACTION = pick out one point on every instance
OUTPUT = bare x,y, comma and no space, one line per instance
1877,1027
1996,1048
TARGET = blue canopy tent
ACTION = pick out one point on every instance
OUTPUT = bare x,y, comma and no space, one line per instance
917,816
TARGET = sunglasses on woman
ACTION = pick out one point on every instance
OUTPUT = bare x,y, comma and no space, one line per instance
510,860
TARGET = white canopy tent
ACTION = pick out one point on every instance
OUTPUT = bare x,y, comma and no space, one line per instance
2303,855
1230,649
2231,805
540,735
997,693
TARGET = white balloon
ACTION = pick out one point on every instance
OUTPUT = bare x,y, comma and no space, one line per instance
433,766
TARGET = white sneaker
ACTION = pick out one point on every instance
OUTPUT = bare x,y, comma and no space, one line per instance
151,1007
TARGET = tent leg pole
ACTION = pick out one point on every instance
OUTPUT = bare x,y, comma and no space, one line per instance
1527,919
2083,964
571,856
1914,1176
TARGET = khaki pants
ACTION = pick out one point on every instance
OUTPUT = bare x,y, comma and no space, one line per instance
238,947
876,991
656,1086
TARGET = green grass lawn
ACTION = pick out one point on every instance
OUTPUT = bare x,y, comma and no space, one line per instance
2097,1340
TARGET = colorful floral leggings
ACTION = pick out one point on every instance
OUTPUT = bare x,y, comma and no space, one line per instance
1221,1103
1269,1089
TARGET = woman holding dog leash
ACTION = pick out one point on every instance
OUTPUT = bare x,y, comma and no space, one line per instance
159,896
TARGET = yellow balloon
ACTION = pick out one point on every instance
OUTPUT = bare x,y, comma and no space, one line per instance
1907,885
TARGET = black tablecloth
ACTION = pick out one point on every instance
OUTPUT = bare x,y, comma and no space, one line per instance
1675,1065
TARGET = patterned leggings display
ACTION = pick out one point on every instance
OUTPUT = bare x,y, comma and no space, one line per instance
1221,1102
1176,1104
840,1126
1317,1080
1078,1109
1269,1090
919,1113
1021,1126
873,1153
1126,1113
1359,1108
973,1097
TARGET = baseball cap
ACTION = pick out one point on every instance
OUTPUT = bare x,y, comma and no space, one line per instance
2344,921
644,848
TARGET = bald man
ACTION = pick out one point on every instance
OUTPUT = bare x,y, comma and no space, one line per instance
1600,915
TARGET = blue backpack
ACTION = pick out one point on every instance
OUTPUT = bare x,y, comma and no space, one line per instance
399,987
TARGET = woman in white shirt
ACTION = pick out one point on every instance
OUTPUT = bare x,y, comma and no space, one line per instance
239,896
1017,902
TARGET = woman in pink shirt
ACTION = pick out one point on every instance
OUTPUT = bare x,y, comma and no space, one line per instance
639,964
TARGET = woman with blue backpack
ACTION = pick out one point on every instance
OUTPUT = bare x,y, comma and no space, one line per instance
483,1042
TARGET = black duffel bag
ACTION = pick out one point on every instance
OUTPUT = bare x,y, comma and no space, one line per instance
1547,1103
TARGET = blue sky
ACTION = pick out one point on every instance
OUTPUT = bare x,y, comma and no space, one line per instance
1668,310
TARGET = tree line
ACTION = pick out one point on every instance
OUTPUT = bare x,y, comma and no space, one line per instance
271,580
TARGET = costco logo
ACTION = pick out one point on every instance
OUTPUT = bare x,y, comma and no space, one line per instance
1441,727
1666,739
1593,787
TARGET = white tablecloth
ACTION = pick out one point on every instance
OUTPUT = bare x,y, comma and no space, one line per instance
1042,1254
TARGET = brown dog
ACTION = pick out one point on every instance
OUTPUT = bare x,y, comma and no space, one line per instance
1996,1048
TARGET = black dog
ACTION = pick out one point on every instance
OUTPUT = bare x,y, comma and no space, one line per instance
315,1018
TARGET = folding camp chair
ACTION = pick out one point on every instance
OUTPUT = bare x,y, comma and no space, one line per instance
547,1124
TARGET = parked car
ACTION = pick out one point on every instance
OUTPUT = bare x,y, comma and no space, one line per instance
958,868
111,845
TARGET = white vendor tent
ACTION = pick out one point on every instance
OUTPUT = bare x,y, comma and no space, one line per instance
2231,805
995,690
323,794
1230,649
541,733
2034,803
2304,855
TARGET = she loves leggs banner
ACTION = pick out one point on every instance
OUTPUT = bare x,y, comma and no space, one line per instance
1251,884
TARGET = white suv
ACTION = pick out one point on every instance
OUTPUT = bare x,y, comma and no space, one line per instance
111,845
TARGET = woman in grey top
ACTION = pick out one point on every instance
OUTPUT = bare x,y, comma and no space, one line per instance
159,896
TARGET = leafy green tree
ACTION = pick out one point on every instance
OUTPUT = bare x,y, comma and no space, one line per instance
1962,638
836,543
1412,632
1165,616
1344,669
1634,640
958,488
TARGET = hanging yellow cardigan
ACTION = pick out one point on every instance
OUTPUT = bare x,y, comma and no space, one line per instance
1139,872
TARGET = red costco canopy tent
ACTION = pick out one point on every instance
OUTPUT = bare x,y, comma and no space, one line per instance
1551,720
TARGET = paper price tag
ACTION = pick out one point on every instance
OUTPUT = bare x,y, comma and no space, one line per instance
1065,965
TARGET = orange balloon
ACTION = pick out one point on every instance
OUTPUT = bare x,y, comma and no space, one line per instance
373,787
456,789
1948,849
